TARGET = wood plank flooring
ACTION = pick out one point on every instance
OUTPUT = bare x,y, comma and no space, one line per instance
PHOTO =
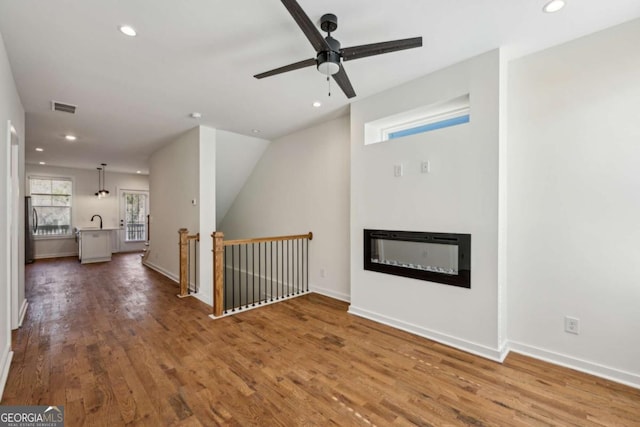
114,345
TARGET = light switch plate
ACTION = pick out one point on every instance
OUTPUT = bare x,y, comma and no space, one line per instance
397,170
425,167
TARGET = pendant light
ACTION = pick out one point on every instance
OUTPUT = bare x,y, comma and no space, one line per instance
99,183
102,192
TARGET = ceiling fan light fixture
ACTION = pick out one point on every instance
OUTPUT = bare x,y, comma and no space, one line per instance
328,68
554,6
328,62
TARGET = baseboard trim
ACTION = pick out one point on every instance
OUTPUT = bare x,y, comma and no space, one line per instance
504,351
330,293
23,312
162,271
204,298
5,365
207,299
58,255
606,372
497,355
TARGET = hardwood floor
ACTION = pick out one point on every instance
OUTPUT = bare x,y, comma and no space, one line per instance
113,344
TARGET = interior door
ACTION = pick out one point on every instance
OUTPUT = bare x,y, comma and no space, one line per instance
134,205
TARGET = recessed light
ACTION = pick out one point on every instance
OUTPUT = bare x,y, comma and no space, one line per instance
128,31
138,171
39,149
43,163
255,130
554,6
317,104
70,137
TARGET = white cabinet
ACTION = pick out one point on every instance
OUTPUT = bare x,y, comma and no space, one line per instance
94,245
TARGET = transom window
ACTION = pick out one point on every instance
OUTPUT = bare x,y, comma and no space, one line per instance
433,123
423,119
51,201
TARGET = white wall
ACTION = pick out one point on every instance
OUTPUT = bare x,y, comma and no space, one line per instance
173,183
207,217
503,178
301,184
10,109
86,204
574,203
460,195
206,165
236,156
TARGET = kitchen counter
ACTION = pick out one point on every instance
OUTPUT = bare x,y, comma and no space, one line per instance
96,228
94,244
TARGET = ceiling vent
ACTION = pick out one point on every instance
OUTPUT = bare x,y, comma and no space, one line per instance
65,108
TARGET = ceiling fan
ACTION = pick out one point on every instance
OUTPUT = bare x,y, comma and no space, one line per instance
329,54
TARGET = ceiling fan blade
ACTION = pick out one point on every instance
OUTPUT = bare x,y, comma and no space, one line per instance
297,65
343,81
365,50
317,41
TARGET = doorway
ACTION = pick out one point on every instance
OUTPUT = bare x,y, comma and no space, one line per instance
17,299
134,206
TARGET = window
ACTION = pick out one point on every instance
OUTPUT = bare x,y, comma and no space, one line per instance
457,118
135,217
424,119
51,201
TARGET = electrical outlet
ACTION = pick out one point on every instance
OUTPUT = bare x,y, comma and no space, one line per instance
572,325
397,170
323,273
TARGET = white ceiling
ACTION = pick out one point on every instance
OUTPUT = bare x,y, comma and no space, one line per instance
136,94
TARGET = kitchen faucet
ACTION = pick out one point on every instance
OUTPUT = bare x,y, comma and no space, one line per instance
96,215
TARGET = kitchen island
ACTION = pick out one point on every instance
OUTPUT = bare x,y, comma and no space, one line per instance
94,244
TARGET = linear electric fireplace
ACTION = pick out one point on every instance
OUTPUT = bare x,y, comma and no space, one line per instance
435,257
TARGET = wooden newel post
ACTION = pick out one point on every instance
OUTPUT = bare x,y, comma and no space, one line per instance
183,242
218,273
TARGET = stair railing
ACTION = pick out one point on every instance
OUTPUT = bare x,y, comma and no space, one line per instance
188,245
249,273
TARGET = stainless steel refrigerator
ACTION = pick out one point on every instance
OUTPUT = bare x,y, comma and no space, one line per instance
30,228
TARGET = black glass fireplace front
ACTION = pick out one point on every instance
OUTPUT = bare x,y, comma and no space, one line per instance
435,257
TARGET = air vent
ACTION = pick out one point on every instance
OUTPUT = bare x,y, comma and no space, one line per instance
65,108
